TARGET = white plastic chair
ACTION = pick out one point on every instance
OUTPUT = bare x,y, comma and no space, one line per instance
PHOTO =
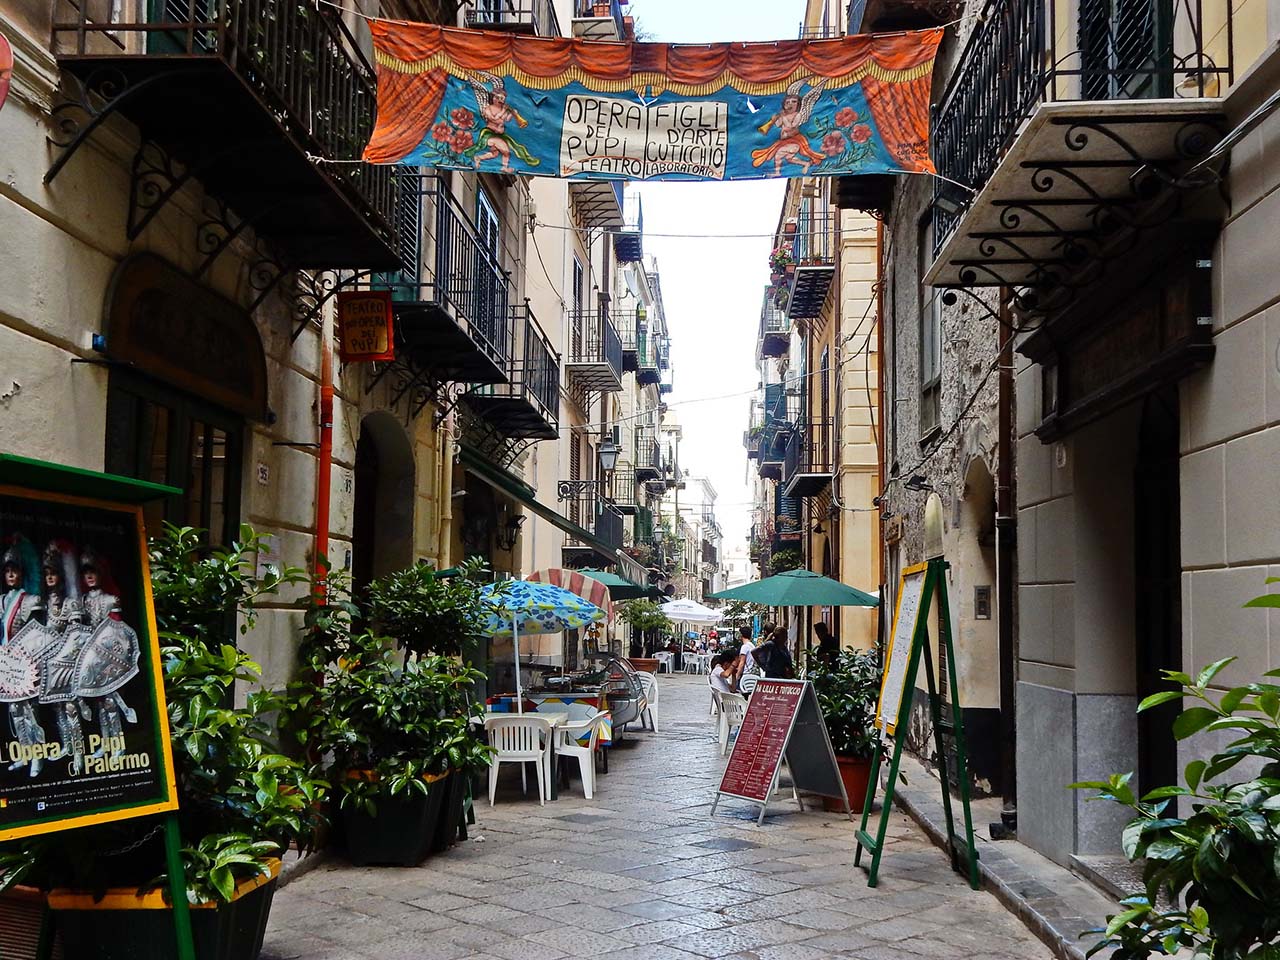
692,663
664,660
747,683
715,704
733,708
519,738
650,684
567,745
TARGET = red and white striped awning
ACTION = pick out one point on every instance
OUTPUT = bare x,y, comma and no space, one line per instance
593,591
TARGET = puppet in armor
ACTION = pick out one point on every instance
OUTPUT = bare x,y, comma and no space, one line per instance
22,637
64,620
110,659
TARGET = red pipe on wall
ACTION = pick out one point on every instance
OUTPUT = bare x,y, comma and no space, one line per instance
324,462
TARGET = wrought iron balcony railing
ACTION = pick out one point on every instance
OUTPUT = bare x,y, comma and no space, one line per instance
454,271
1022,54
647,455
192,72
528,403
595,352
596,20
810,457
520,16
775,327
584,503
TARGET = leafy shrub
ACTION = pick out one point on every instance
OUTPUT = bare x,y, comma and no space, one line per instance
426,613
785,560
1212,878
848,688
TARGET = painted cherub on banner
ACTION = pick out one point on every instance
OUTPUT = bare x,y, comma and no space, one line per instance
792,146
493,141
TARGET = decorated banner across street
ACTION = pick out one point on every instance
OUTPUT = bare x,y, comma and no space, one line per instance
558,107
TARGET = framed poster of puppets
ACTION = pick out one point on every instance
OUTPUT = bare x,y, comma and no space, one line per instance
84,737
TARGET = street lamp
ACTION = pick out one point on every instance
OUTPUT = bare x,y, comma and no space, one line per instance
608,452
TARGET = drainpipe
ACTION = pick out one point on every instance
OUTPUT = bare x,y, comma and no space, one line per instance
444,463
1006,556
324,459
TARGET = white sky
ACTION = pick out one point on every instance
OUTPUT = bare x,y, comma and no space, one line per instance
712,287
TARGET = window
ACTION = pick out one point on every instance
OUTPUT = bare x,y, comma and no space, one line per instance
575,473
490,299
161,435
577,290
930,337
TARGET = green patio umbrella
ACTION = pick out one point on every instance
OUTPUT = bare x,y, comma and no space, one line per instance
799,588
620,588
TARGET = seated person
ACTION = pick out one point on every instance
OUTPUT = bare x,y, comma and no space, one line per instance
722,673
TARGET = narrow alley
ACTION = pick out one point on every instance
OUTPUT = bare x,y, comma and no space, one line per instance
643,872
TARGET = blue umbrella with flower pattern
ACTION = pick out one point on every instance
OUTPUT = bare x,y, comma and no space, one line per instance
522,606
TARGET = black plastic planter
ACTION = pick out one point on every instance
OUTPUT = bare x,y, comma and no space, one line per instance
402,831
451,812
109,930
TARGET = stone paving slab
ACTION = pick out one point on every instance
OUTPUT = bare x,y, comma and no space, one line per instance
644,872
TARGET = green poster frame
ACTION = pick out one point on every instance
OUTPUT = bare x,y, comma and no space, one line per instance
73,482
962,851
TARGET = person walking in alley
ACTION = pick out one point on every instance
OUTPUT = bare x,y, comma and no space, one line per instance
828,647
743,663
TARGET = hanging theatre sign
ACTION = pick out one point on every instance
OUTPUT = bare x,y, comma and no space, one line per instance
578,109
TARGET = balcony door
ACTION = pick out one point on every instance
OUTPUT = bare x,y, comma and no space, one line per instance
490,291
578,293
1125,49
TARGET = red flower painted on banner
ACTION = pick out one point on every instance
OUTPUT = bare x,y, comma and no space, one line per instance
462,141
833,144
861,133
846,116
463,118
442,132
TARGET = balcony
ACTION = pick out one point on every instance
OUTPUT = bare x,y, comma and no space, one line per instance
535,17
622,489
632,330
662,346
648,454
599,21
584,505
709,553
595,353
528,404
239,93
1075,136
775,431
452,300
807,466
647,372
775,328
628,242
597,203
813,251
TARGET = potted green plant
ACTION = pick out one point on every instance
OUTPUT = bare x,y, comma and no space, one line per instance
646,617
426,613
848,688
783,560
1210,846
395,734
241,801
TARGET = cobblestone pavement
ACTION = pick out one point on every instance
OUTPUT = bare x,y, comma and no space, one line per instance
644,872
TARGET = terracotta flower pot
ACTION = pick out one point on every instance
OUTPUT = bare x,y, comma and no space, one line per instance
127,925
856,774
644,664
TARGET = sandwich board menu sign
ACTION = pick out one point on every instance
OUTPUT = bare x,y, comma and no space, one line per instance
782,722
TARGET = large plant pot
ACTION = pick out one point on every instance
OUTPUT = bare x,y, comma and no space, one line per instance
856,774
124,925
644,664
455,794
400,833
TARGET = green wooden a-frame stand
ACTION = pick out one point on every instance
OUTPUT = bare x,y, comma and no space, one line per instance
964,855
